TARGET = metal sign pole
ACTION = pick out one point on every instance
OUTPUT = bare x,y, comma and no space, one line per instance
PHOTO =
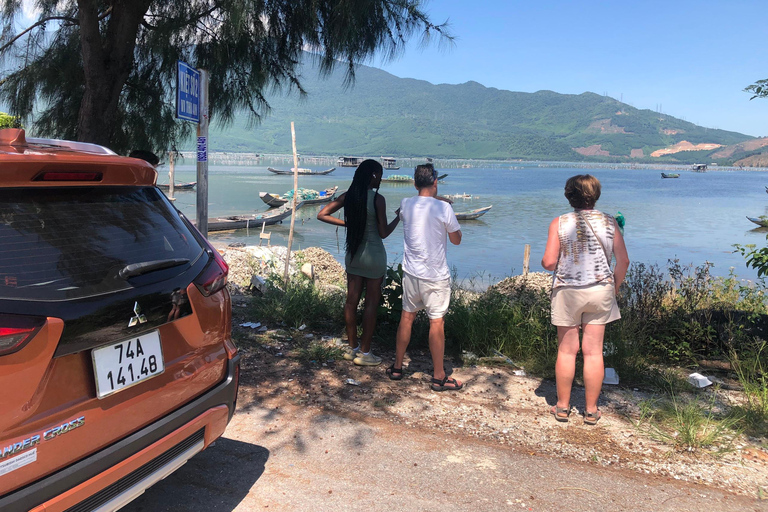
202,157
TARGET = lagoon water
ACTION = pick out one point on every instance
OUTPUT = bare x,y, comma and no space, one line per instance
695,218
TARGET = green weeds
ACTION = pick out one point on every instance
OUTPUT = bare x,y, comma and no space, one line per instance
750,371
688,424
301,303
317,352
670,318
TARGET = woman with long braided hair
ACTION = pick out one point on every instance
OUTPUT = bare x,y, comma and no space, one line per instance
365,220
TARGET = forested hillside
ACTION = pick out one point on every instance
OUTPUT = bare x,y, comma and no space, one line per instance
386,115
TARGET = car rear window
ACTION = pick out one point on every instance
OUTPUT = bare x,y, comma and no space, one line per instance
71,242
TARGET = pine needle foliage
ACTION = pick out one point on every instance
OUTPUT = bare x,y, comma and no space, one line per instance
104,71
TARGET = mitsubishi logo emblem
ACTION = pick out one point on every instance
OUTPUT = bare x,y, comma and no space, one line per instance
139,318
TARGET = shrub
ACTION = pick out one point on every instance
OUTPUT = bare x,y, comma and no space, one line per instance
301,303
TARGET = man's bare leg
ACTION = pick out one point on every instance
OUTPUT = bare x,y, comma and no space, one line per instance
403,337
437,347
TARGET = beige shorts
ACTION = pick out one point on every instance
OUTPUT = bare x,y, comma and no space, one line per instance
578,305
433,296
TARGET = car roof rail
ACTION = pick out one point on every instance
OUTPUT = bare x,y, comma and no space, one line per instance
86,147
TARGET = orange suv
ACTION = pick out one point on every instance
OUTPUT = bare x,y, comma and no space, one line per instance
116,362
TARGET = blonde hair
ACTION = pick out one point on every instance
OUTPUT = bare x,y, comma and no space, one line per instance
582,191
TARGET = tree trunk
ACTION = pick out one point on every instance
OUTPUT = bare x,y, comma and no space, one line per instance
107,63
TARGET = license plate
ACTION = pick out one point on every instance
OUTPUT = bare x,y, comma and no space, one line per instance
129,362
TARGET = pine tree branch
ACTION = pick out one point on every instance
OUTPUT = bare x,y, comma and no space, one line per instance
43,21
182,23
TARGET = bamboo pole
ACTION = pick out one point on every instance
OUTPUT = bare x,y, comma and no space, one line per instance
171,176
293,210
526,259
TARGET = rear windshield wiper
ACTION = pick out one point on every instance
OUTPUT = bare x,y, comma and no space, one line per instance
138,269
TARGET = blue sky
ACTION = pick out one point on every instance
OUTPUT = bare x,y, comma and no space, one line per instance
692,58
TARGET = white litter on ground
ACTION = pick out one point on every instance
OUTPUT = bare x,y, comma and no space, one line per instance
697,380
611,377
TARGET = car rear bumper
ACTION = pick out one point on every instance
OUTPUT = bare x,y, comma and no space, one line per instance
123,470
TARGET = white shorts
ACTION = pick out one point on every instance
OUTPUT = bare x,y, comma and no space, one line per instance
578,305
433,296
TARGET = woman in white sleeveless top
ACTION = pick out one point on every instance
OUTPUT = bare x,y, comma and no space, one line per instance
580,247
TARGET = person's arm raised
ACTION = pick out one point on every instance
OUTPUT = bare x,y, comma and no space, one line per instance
451,224
381,217
552,251
326,214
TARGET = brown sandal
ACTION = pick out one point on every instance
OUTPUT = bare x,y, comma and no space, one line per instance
557,412
591,418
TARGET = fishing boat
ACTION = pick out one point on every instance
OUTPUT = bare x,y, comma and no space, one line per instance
473,214
397,178
349,161
251,221
670,175
389,163
404,178
760,221
273,200
177,186
303,172
699,167
307,196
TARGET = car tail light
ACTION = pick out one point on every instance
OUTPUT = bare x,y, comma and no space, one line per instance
214,277
16,331
68,176
230,347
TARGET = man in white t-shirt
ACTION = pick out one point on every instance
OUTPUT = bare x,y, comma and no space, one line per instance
427,225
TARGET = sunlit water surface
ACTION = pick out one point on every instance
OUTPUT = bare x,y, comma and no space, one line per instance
695,218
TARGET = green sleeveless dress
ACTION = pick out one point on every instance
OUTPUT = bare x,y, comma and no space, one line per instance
370,260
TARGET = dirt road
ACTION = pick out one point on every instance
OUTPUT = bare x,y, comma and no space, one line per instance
296,458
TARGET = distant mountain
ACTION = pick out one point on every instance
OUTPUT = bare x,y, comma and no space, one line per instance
386,115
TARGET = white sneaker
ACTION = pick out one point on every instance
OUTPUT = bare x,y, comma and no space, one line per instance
367,359
350,353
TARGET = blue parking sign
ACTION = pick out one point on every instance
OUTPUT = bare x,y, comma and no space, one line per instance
187,92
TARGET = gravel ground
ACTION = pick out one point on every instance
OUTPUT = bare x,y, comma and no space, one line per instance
495,405
245,262
511,286
241,267
328,271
